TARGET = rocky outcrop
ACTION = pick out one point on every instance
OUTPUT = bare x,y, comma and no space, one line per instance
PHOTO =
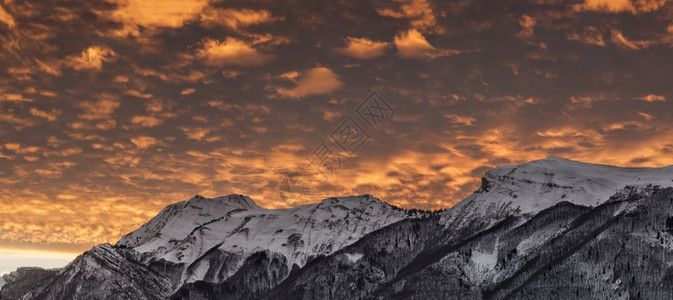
21,281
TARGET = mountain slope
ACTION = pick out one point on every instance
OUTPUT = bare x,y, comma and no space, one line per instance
532,187
197,232
15,284
209,240
551,228
104,272
496,246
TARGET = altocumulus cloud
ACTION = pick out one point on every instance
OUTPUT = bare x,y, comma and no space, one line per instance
316,81
363,48
87,92
154,13
230,52
617,6
412,44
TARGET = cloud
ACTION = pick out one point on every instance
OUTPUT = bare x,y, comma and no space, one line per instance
315,81
527,24
139,94
652,98
11,97
144,142
418,12
605,5
231,52
590,35
147,121
155,13
49,115
49,68
457,120
188,91
451,123
235,18
363,48
91,58
18,122
6,18
646,116
196,133
101,109
412,44
620,40
618,6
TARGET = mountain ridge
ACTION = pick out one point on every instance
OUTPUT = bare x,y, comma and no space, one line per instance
206,248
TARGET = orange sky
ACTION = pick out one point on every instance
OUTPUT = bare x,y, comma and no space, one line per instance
110,111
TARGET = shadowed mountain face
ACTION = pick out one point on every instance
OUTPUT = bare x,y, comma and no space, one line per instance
24,279
621,248
546,229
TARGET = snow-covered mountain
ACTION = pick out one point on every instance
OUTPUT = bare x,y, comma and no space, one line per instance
532,187
208,240
547,229
550,228
195,232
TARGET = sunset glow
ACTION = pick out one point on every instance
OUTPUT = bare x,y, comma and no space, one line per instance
111,110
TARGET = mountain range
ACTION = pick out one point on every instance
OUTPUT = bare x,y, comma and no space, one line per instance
551,228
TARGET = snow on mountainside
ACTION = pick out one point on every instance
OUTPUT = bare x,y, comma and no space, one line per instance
231,246
187,232
531,187
548,229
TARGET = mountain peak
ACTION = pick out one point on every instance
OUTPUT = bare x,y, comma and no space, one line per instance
533,186
237,200
353,201
190,231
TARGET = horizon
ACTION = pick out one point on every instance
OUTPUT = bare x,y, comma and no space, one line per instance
111,110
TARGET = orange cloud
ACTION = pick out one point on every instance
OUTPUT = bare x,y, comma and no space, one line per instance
147,121
315,81
618,6
101,109
457,120
620,40
188,91
589,35
49,68
91,58
11,97
235,18
363,48
155,13
418,12
527,24
144,142
18,122
196,133
139,94
646,116
49,115
652,98
6,18
231,52
412,44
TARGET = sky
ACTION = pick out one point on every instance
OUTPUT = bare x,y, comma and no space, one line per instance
111,110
